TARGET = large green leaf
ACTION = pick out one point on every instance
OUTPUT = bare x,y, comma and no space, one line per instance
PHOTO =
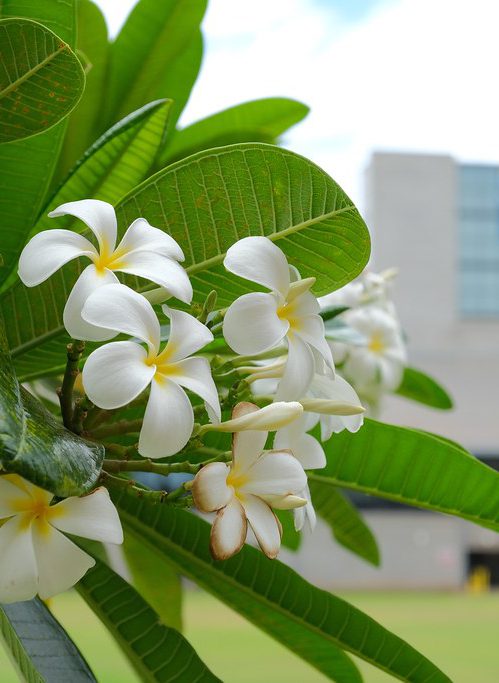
39,647
92,48
313,623
347,525
156,581
157,40
256,121
36,446
41,79
159,654
27,166
415,468
207,202
419,387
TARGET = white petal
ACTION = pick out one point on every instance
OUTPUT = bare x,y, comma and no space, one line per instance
247,446
299,371
311,330
361,367
48,251
251,324
259,260
93,516
187,335
287,502
304,302
89,281
210,490
120,308
159,269
264,524
116,373
334,389
334,424
306,513
98,215
305,448
141,236
18,570
195,374
10,497
271,417
168,420
228,532
60,562
275,473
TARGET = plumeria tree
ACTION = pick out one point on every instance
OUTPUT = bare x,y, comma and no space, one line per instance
188,301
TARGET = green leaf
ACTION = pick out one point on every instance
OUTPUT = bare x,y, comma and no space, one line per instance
157,40
291,539
424,389
314,624
256,121
27,166
39,647
156,581
159,654
41,80
93,49
344,520
36,446
207,202
415,468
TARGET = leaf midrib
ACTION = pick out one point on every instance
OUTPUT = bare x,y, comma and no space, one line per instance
387,495
267,603
31,72
274,237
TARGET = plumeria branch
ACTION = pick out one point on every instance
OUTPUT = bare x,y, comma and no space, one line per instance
159,467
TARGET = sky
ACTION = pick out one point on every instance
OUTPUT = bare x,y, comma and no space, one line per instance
391,75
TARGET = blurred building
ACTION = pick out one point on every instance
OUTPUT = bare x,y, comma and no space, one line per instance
438,222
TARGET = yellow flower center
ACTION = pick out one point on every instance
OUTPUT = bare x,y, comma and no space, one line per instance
36,510
237,479
163,367
110,260
288,311
376,343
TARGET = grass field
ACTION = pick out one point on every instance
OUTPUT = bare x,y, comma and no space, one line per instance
459,632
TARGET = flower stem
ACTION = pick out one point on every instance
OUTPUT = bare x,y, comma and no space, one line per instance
175,497
162,467
74,350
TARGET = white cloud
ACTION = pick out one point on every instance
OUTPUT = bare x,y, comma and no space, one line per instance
415,75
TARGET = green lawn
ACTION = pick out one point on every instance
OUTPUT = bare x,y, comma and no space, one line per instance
459,632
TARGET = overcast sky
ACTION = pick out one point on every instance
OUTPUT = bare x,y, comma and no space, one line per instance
412,75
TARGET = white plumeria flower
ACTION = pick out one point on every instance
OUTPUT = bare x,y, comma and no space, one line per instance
260,321
35,557
116,373
309,452
144,251
381,359
246,491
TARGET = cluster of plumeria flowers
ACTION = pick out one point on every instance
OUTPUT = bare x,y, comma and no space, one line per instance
274,338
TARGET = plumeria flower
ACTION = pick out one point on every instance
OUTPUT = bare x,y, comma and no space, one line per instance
245,492
260,321
35,557
381,358
116,373
267,419
144,251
